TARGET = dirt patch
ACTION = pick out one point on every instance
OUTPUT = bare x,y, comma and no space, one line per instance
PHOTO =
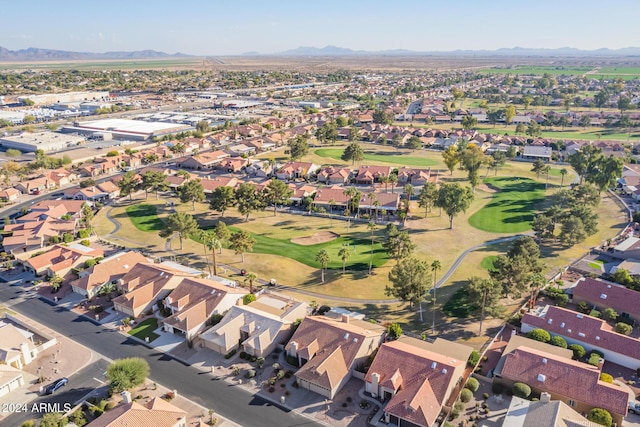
487,188
321,237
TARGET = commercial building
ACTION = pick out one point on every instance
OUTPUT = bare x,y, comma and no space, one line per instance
54,98
138,130
46,141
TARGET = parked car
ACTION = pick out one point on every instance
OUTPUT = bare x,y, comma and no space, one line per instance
634,407
56,385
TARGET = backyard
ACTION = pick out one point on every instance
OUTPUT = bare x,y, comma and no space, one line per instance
145,329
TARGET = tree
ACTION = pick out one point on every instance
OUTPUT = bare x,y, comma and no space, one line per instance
203,126
248,299
222,199
487,292
624,103
12,152
248,199
539,167
241,242
181,224
399,245
124,374
212,242
154,181
250,278
435,267
55,282
394,331
355,196
610,314
509,114
353,152
408,192
128,184
623,328
428,196
512,152
382,117
534,130
393,180
572,231
563,173
414,143
542,226
539,335
191,191
409,281
498,160
453,199
469,122
600,416
323,258
222,232
521,390
87,214
520,128
471,160
277,192
50,419
298,147
354,135
371,226
344,253
578,351
451,157
558,341
396,141
526,101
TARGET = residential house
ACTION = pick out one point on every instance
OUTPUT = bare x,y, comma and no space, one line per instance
35,185
59,260
531,152
416,379
416,177
28,236
146,284
232,165
108,272
329,350
374,203
516,341
260,169
17,348
627,249
299,193
601,294
256,328
588,331
329,198
61,176
543,413
10,194
204,161
10,379
575,383
211,184
334,176
260,144
194,301
92,194
369,174
293,170
241,149
157,412
53,209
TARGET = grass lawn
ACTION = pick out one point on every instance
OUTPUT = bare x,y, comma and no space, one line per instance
538,70
145,329
359,243
487,262
596,264
395,158
512,207
145,217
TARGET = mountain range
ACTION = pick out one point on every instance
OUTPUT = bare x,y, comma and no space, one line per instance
36,54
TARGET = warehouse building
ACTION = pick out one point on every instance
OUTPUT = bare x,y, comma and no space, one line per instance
46,141
54,98
136,130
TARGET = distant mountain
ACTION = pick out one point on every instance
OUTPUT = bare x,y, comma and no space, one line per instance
36,54
515,51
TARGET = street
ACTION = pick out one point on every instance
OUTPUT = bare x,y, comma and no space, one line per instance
228,400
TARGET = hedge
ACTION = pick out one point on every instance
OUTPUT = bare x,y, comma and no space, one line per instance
521,390
466,395
539,335
472,384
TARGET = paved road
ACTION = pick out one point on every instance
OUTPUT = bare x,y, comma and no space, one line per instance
81,384
228,400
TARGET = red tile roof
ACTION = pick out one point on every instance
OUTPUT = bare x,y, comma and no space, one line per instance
616,296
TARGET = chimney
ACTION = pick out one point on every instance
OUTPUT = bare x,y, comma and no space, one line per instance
26,354
345,318
375,382
126,397
294,348
545,397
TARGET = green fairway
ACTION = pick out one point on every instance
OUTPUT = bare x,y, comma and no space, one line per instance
487,262
401,159
145,329
145,217
539,70
512,207
359,246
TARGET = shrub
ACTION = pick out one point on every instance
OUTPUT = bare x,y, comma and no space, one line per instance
84,233
607,378
485,395
521,390
322,310
248,299
558,341
497,388
90,263
28,423
124,374
250,373
98,309
610,314
394,331
598,352
230,354
583,307
85,243
474,358
623,328
243,355
67,237
260,362
600,416
594,359
594,313
562,300
539,335
472,384
466,395
578,351
272,389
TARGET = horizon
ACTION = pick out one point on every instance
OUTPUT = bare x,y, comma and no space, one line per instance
210,29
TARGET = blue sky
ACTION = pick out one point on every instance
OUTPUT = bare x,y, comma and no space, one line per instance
228,27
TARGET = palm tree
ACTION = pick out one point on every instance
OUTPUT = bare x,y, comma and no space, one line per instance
250,277
203,235
371,227
331,203
408,191
55,282
344,253
435,266
323,258
385,180
393,180
563,172
211,242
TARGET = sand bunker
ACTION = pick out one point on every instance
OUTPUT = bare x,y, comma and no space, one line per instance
321,237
